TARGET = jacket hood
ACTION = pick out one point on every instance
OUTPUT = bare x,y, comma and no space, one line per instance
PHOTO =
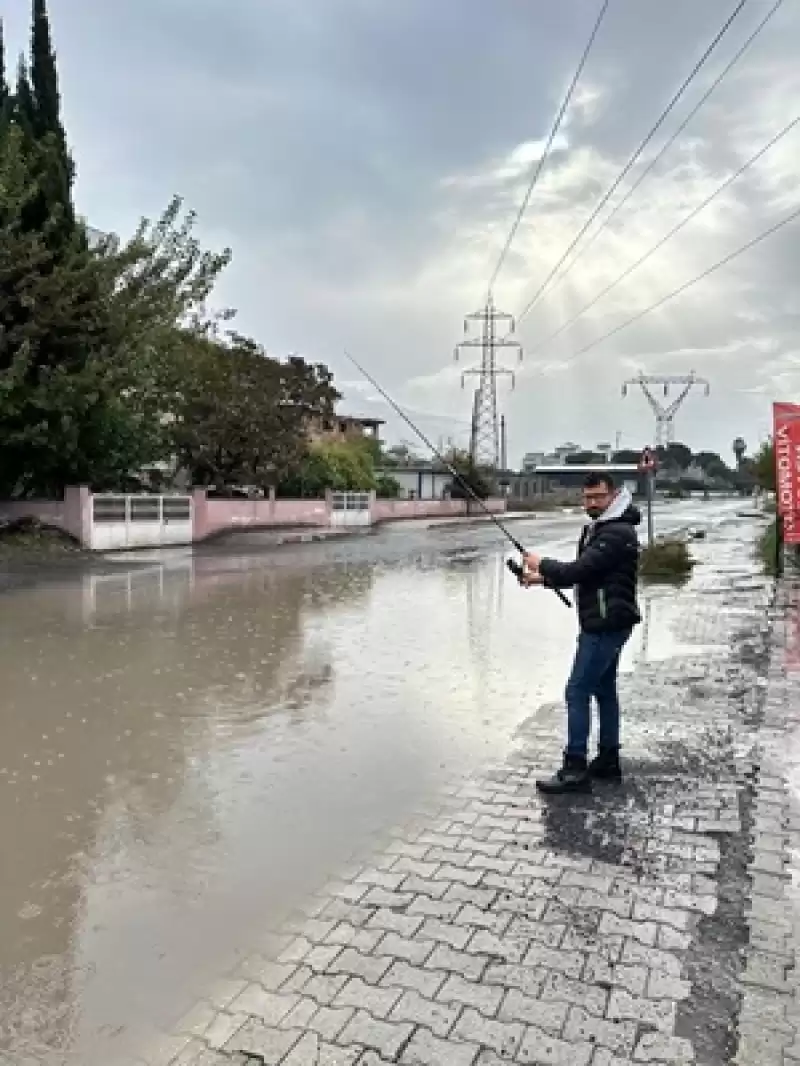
621,509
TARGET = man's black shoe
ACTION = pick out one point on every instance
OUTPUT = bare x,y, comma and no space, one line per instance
572,777
606,767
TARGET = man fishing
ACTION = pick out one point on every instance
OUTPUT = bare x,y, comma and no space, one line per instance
605,576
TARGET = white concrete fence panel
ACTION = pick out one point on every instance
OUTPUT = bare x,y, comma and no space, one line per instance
120,521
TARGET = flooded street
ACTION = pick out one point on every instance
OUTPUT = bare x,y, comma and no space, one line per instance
190,745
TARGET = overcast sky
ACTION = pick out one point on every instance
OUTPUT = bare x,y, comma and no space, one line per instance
365,159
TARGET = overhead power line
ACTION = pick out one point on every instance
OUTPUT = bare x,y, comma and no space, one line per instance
545,154
687,285
668,144
620,177
668,237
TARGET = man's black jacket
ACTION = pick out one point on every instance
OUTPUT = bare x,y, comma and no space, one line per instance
605,572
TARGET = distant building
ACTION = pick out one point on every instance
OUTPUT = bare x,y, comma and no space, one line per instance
344,428
565,454
565,481
606,449
420,482
560,454
533,459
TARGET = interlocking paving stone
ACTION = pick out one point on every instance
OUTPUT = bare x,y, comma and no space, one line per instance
456,990
264,1040
502,1036
425,1049
438,1017
459,962
382,1036
357,993
312,1051
269,1007
403,975
541,1049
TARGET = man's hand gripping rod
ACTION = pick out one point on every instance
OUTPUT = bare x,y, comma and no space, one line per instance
514,567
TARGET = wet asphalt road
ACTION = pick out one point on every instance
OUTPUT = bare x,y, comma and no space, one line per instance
188,744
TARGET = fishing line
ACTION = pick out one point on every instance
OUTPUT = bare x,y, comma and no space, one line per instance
513,566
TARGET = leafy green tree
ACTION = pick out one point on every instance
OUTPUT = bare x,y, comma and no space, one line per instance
338,466
387,487
714,466
374,447
676,456
764,466
159,284
679,455
240,417
470,474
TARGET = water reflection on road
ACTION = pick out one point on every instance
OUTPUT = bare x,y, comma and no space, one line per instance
186,747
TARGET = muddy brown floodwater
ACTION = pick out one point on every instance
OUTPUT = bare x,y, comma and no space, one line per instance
191,743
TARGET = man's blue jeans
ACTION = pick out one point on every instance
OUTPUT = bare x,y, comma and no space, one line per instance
594,674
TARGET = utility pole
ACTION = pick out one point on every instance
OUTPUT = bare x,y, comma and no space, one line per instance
485,437
665,413
503,447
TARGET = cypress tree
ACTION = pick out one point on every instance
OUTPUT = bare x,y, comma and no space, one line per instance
44,75
24,110
50,211
5,95
46,117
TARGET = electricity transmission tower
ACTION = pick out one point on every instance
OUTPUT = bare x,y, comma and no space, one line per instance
485,438
665,412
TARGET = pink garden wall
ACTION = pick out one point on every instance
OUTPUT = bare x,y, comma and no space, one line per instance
72,514
396,510
212,517
216,516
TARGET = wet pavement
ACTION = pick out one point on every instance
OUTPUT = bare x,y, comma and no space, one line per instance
192,748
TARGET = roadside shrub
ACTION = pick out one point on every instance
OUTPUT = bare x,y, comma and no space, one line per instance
27,537
666,560
767,548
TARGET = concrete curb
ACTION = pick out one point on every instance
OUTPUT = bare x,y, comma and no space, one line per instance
770,982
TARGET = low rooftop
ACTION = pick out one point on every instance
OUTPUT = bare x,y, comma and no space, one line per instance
580,468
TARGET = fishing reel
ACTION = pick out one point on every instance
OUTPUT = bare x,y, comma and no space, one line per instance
516,569
519,573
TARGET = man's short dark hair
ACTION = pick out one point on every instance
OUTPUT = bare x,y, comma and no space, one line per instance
598,478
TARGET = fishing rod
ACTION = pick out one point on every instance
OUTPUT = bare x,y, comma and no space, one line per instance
513,566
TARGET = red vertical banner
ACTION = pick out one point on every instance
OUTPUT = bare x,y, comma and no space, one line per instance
786,437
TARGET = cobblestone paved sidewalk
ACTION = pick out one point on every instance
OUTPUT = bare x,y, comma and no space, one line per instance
649,923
